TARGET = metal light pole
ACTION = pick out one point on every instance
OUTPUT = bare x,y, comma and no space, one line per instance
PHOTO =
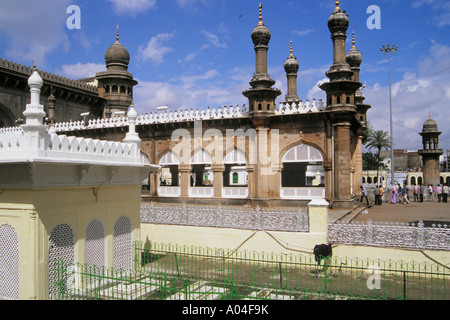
390,50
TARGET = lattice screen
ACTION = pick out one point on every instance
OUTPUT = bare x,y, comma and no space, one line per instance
122,251
95,254
9,263
61,246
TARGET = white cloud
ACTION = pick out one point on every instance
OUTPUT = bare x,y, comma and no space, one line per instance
155,50
190,92
81,70
132,6
303,32
33,30
214,40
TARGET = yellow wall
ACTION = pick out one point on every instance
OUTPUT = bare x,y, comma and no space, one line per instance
33,213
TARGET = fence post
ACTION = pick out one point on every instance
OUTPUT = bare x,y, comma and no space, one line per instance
318,218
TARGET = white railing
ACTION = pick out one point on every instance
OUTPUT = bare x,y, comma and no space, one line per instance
302,193
169,191
289,220
235,193
15,145
226,112
390,234
201,192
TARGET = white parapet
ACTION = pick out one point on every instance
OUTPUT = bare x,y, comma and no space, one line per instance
34,143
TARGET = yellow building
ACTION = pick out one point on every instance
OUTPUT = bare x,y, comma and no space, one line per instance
64,198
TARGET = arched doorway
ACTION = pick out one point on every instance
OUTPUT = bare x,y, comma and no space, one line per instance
169,179
201,176
235,176
303,175
6,117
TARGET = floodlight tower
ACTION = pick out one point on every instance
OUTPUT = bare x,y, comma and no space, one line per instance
389,50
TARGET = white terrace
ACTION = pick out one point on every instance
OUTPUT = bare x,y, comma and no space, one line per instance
34,142
227,112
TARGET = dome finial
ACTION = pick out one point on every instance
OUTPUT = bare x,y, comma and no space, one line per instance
260,14
353,40
337,6
117,33
292,51
34,66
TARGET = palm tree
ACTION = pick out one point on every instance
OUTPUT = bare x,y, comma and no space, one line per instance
380,140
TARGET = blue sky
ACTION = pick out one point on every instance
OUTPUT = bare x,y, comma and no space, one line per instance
198,53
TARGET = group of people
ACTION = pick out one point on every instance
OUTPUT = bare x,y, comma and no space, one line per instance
378,193
400,194
441,192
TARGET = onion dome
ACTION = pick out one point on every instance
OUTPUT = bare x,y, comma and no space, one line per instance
117,54
291,65
354,57
261,34
338,21
35,80
430,126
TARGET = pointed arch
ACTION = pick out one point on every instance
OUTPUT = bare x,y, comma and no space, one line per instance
95,246
122,243
201,157
302,153
9,263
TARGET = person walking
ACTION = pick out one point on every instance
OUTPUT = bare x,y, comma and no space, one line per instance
376,193
445,191
421,192
364,195
416,192
405,194
430,193
394,195
439,192
381,195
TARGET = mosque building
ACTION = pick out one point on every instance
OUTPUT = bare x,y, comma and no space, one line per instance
265,153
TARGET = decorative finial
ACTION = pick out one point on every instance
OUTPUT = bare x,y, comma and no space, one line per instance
117,33
353,41
34,66
292,51
337,5
260,14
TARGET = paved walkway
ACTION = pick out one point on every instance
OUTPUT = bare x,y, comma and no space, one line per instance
432,212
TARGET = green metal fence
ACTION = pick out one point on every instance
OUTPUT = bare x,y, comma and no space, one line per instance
166,272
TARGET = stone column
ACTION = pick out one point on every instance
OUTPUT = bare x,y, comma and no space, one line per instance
218,180
185,180
342,166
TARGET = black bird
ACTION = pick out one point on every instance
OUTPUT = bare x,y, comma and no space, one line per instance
322,251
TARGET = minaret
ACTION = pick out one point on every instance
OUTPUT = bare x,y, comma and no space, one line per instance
264,174
354,59
291,66
430,152
261,96
341,91
116,83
